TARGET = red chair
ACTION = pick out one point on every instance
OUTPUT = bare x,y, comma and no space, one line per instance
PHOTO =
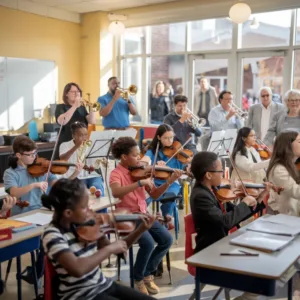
50,284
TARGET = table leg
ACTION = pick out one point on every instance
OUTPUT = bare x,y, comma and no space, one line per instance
19,280
290,289
35,279
197,285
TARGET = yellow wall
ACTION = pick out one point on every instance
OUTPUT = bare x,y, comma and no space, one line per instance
26,35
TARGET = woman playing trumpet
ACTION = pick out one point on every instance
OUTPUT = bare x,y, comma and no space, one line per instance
182,123
71,111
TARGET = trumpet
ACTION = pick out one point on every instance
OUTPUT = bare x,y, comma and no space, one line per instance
195,121
81,152
239,112
125,93
94,106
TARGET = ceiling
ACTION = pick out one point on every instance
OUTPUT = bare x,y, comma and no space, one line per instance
85,6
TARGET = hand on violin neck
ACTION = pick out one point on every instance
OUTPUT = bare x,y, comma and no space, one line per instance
117,247
161,163
147,222
175,175
250,201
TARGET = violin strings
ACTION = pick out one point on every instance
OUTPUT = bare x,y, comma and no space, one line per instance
188,140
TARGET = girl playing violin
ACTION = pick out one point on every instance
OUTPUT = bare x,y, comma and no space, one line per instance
77,263
164,136
282,170
246,158
211,222
68,151
132,196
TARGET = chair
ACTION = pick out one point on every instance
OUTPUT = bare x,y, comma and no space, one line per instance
146,133
50,281
189,251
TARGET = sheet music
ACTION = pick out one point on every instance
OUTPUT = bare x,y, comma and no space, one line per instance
291,221
37,218
221,141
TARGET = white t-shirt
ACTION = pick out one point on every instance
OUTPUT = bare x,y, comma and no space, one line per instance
65,147
265,120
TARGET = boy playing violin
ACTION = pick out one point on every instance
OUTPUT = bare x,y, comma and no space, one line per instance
132,196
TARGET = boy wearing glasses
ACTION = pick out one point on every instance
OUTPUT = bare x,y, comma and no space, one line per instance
180,120
18,182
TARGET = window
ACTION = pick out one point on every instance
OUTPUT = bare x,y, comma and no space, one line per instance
297,39
211,34
297,70
132,74
169,70
133,40
259,72
270,29
168,38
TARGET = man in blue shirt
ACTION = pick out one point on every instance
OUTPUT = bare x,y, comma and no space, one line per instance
115,109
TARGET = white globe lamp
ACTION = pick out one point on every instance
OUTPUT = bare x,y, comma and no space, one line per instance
116,28
239,12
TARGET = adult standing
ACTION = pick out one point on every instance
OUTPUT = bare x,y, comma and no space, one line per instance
285,120
205,99
160,104
115,110
261,114
71,111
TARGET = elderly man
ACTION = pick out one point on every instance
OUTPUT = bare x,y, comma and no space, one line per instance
261,114
205,99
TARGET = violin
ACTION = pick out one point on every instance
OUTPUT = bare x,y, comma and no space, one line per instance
100,224
298,164
41,165
19,203
262,149
183,155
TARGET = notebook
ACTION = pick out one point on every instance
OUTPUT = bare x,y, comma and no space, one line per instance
261,241
16,226
291,221
37,218
265,226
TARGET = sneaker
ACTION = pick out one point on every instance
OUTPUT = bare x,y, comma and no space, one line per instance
150,285
141,287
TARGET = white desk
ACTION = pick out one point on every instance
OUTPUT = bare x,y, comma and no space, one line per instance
251,274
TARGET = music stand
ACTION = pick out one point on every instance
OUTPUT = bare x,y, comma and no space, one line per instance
222,141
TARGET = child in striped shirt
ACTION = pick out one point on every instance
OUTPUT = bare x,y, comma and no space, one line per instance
75,262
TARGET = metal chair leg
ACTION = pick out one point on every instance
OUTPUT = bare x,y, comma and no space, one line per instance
119,267
193,296
217,293
131,271
35,279
227,294
7,271
169,267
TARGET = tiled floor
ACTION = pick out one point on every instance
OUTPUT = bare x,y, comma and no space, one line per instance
181,289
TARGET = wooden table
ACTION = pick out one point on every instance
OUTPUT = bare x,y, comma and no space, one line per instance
257,275
29,240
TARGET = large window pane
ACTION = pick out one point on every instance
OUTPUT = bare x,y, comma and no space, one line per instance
133,41
210,34
267,30
298,28
132,74
168,38
166,80
297,70
210,78
259,72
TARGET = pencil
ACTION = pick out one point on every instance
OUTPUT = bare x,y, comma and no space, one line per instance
239,254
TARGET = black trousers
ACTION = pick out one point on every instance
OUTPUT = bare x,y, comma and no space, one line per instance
119,292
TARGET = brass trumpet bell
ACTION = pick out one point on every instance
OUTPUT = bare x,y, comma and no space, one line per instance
87,143
94,106
132,90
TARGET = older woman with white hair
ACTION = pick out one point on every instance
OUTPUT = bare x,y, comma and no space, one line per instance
261,114
287,120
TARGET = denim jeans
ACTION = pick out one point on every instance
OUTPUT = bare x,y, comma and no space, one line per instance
97,182
148,257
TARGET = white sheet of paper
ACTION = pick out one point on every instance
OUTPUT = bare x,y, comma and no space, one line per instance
37,218
283,219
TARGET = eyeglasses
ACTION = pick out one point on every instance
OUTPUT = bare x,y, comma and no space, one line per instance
168,138
215,171
294,100
74,92
263,96
34,154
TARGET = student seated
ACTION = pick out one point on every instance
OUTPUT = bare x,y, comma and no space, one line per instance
132,196
211,223
6,205
77,262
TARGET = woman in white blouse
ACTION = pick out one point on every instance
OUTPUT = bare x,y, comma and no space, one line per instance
282,171
247,159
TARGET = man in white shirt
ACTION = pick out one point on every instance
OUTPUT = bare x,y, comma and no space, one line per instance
261,114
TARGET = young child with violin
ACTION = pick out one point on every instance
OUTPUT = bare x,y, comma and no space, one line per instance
132,196
164,136
69,151
282,170
77,261
212,220
246,158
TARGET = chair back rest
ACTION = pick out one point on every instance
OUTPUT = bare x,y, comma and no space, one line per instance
51,281
189,232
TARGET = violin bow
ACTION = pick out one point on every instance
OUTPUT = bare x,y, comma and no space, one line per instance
54,149
154,161
235,168
188,140
264,145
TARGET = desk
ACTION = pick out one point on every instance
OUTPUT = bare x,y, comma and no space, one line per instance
257,275
97,204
